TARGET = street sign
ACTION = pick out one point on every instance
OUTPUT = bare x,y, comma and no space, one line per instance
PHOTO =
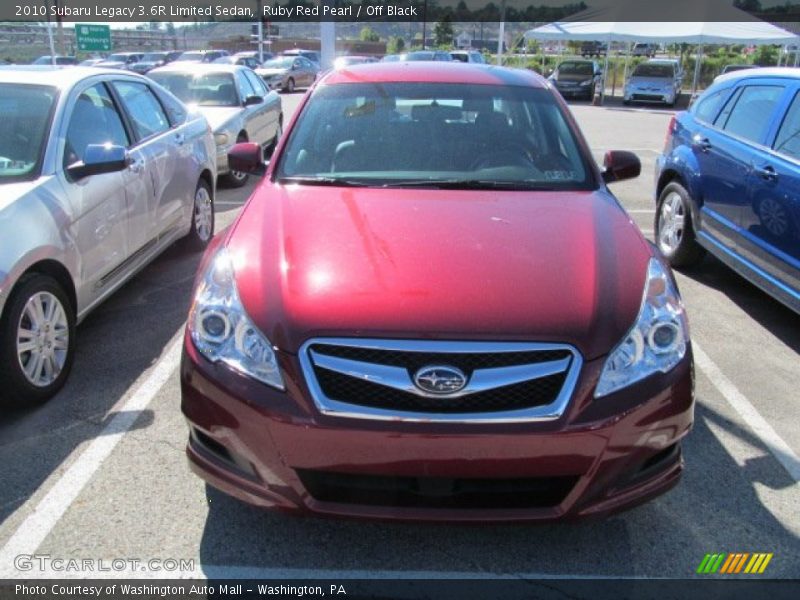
93,38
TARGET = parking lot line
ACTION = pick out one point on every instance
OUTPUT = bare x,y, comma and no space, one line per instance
35,528
768,436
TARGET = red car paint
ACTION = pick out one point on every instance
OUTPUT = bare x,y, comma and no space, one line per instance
315,262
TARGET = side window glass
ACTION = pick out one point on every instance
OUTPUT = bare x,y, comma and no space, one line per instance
788,140
709,106
94,120
753,111
175,109
245,87
143,107
257,83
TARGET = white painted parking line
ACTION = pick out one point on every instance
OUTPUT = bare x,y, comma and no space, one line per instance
768,436
35,528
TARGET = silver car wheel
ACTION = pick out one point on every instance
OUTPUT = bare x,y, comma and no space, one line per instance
42,339
237,175
671,221
203,213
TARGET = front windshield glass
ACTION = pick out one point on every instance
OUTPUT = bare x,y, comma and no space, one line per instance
191,56
206,89
154,56
279,63
432,133
26,111
651,70
576,68
118,57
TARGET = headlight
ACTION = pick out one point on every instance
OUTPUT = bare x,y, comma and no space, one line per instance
587,82
657,340
221,139
222,331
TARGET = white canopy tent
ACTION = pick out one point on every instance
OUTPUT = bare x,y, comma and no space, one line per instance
616,23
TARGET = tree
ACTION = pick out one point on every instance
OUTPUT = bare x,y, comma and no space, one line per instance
396,45
369,35
443,32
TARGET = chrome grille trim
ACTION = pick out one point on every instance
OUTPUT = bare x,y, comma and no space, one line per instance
398,378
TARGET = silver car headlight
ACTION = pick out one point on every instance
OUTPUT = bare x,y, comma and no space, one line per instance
222,138
587,82
223,332
656,342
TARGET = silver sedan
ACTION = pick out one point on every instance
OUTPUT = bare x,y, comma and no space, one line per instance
237,103
100,170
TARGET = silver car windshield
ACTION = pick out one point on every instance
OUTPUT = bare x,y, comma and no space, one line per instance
454,135
207,89
27,111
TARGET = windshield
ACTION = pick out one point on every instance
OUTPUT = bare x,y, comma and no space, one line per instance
422,133
118,57
279,63
206,89
576,68
191,56
651,70
418,56
26,111
154,56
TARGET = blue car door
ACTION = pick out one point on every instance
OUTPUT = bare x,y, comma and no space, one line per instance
770,223
724,153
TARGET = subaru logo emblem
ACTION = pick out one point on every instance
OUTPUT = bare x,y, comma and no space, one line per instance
440,380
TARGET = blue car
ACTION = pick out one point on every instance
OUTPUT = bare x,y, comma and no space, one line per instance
728,181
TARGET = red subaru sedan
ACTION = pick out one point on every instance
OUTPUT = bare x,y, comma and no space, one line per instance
432,307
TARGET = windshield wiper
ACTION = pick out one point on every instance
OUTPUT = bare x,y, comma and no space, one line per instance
331,181
472,184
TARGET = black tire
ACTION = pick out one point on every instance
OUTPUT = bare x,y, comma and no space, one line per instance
683,250
202,229
17,390
236,179
290,86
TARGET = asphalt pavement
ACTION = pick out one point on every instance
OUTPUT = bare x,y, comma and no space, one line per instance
100,473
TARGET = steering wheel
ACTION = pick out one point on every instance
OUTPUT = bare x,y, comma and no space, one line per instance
510,154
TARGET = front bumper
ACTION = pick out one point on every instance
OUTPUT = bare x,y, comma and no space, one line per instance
650,96
572,91
276,450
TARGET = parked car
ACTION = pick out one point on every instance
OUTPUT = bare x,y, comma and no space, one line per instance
350,60
311,55
151,60
251,62
434,308
287,73
90,62
237,103
439,55
653,81
201,56
729,180
391,58
468,56
120,60
577,78
732,68
61,61
100,171
589,49
648,50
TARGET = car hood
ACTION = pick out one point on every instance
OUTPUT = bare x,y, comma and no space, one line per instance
110,64
650,81
550,267
218,116
572,78
270,72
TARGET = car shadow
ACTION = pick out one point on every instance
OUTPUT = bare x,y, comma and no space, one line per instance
715,508
774,316
116,343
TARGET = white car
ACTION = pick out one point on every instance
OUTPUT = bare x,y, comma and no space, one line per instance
100,171
654,81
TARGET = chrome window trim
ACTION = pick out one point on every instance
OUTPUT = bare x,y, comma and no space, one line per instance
330,407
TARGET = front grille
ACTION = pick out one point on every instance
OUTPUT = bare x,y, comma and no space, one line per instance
648,97
536,392
501,381
436,492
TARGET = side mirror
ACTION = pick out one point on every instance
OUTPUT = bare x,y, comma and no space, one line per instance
247,157
251,100
620,165
98,159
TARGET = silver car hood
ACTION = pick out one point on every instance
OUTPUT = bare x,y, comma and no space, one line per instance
218,116
651,81
270,72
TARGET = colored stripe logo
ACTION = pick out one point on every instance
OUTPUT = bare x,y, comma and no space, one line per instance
732,563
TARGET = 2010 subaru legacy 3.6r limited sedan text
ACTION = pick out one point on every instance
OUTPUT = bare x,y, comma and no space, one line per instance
433,308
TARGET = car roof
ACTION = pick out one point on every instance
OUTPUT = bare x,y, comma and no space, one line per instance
434,72
181,67
59,77
779,72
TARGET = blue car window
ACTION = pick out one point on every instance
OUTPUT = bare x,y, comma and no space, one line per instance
788,140
708,107
753,111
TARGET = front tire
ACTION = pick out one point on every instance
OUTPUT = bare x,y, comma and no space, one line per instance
289,86
202,218
674,230
37,342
